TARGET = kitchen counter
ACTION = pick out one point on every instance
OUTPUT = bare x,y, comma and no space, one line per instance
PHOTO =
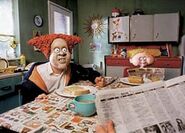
9,75
8,82
9,93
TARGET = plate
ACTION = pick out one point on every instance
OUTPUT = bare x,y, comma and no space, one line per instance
3,64
125,80
92,90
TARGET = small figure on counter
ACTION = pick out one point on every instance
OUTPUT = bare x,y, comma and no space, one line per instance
116,12
114,51
58,72
123,52
142,57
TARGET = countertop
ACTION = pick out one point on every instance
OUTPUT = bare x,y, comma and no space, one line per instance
9,75
8,82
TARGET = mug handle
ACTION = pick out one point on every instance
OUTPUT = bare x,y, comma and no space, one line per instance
71,106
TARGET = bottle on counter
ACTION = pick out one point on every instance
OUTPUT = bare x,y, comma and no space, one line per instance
101,68
23,61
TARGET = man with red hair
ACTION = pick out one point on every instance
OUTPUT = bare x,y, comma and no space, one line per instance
58,72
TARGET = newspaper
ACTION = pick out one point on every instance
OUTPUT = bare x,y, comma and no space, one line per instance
154,107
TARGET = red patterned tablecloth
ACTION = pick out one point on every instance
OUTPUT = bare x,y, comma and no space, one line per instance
48,116
51,115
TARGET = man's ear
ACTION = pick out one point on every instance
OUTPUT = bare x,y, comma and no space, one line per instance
49,54
70,49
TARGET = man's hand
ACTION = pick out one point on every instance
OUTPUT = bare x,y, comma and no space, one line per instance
100,81
42,98
107,127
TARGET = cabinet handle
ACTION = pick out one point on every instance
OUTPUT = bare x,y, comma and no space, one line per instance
157,35
6,88
134,36
126,36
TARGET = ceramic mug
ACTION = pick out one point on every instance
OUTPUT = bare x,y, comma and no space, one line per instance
83,105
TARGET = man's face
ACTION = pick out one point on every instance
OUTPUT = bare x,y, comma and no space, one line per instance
60,55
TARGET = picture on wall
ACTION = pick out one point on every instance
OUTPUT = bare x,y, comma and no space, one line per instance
118,28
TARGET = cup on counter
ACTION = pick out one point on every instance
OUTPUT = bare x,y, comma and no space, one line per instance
84,105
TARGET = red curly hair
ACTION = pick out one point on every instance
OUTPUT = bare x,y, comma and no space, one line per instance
43,43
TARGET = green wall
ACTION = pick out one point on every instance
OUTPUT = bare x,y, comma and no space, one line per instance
82,10
27,10
88,8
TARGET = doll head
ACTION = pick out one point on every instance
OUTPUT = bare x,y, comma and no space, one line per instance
116,12
142,57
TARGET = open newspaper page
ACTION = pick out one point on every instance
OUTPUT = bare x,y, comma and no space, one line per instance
154,107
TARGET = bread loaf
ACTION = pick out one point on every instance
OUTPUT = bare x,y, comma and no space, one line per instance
135,79
154,78
76,90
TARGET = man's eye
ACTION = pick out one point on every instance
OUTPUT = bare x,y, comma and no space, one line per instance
64,50
56,50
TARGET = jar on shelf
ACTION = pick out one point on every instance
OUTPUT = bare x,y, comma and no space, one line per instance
22,60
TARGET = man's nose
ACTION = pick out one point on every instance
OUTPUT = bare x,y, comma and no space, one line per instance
62,53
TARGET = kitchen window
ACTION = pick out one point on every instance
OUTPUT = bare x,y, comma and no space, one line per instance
60,20
9,29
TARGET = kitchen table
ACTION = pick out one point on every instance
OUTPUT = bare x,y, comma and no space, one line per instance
50,116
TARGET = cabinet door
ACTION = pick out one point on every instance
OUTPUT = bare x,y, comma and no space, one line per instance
119,29
166,27
9,97
9,102
114,71
141,28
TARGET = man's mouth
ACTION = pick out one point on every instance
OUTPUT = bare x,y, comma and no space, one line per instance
62,60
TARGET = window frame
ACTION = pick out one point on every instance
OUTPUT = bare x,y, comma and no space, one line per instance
55,7
52,7
16,30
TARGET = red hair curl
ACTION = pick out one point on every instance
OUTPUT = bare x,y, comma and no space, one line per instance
43,43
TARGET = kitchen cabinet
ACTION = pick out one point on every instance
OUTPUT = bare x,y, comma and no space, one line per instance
9,96
158,31
144,28
141,28
119,29
117,66
114,71
166,27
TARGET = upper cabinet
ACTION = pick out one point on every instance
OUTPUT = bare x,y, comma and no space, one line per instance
141,28
145,28
119,29
166,27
